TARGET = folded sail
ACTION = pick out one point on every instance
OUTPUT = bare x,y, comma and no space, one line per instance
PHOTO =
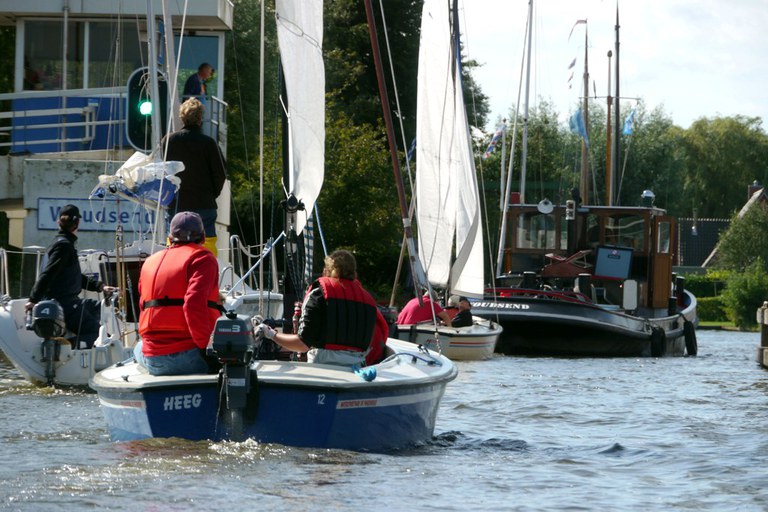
300,37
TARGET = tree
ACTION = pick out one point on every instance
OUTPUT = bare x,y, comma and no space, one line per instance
722,157
744,242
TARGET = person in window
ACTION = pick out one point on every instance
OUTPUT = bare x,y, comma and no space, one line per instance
179,302
62,280
195,84
340,322
204,174
464,317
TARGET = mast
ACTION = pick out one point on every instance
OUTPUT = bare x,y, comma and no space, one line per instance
584,182
525,110
608,162
615,156
417,272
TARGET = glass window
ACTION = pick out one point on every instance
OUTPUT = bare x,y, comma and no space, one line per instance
43,46
625,231
664,237
536,231
115,52
194,51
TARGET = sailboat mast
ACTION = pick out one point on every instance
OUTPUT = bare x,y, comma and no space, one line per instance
525,110
608,162
417,272
615,156
583,187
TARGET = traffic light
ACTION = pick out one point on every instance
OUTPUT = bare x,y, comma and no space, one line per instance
141,106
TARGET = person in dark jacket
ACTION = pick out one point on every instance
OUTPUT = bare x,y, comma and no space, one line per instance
340,322
204,174
464,317
195,84
62,280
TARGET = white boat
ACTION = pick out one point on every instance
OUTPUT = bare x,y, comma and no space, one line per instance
53,360
448,208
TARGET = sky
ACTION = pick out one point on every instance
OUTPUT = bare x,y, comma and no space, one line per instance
694,58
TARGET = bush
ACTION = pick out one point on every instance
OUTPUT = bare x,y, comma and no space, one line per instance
710,284
745,293
710,309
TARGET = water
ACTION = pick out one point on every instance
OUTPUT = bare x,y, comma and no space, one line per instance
523,434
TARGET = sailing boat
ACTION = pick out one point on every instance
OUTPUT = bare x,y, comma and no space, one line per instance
589,280
145,185
389,405
447,198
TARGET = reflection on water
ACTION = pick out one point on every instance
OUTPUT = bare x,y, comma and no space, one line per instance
512,434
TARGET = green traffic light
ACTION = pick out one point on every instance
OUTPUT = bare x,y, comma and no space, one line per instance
145,107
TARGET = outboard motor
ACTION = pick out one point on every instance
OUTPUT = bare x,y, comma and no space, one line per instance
48,323
48,319
233,345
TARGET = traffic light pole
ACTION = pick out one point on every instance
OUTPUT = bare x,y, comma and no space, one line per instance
151,33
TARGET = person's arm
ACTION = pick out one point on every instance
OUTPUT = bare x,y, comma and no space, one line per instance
218,169
445,317
202,280
58,258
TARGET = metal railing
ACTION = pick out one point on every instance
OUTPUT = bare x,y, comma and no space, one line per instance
79,119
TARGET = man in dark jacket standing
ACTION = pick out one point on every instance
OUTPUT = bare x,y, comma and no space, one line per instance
204,171
62,280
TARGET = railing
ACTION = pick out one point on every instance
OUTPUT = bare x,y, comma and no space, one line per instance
18,262
80,119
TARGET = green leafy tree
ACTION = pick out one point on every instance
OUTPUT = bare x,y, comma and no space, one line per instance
744,242
722,157
745,292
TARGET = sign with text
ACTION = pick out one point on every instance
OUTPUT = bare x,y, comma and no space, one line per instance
97,215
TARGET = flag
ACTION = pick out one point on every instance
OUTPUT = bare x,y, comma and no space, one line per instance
628,123
494,141
577,126
573,63
411,150
578,22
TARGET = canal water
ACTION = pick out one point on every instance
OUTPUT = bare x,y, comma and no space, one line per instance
513,433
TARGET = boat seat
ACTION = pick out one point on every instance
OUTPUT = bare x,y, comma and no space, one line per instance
567,266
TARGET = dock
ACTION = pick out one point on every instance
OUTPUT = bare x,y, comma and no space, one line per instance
762,350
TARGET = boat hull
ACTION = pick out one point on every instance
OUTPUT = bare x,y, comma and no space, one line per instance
291,403
543,326
472,343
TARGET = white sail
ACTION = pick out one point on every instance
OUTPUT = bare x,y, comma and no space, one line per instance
447,199
300,37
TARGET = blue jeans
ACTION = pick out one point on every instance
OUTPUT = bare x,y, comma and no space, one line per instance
180,363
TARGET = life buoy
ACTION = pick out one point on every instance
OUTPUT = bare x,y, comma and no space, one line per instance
658,342
689,333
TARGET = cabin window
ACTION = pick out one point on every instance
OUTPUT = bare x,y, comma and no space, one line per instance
663,241
626,231
536,231
115,52
195,51
43,50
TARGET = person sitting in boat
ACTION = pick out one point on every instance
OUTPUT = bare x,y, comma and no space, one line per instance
340,322
62,280
464,317
414,313
179,301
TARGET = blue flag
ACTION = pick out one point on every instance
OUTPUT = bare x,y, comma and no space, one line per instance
494,141
577,126
628,123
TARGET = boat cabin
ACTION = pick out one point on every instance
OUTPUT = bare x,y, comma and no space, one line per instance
66,120
611,244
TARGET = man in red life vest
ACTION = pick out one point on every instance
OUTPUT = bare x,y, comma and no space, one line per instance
340,322
179,301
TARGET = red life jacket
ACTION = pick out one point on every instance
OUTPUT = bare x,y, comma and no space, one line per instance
350,315
164,278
